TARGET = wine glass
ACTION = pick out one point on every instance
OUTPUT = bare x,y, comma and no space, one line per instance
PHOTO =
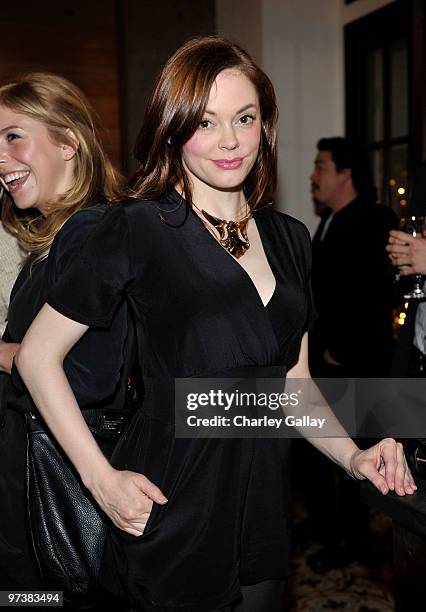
414,225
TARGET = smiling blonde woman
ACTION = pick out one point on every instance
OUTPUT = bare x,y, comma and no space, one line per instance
57,184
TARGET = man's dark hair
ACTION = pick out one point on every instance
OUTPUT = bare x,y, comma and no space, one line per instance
350,154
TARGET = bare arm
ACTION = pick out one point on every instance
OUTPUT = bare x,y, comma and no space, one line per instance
384,463
126,497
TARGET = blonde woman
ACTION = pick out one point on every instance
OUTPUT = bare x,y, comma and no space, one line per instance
57,183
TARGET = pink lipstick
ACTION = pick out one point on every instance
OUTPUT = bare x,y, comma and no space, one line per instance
228,164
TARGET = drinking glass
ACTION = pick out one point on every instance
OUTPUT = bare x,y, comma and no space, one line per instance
414,225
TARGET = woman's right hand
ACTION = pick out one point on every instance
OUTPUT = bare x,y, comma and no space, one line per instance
8,351
407,252
127,498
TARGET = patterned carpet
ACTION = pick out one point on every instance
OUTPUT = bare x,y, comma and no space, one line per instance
356,588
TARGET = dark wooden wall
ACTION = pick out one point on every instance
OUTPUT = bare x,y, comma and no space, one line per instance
112,49
150,31
76,39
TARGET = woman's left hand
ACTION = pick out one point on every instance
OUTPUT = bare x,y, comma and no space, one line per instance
385,465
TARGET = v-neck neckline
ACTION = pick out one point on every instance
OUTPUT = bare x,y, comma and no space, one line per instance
235,260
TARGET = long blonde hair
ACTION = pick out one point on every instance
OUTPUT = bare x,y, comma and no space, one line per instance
59,105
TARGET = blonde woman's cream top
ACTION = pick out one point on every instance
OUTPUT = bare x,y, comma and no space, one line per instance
10,259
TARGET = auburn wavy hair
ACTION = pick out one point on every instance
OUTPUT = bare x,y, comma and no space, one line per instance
59,105
176,107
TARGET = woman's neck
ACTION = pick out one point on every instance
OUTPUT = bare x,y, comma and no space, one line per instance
229,205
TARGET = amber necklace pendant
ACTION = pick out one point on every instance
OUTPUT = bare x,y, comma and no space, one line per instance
232,234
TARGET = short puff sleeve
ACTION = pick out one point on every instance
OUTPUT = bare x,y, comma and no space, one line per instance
95,283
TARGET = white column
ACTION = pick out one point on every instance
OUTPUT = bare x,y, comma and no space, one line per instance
303,54
300,45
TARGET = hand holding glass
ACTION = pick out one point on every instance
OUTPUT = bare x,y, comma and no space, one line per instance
414,225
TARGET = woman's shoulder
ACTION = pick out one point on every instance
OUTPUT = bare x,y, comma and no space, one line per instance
292,227
139,207
290,221
76,230
83,218
150,219
150,209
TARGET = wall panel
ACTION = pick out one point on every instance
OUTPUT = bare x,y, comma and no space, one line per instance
75,39
151,30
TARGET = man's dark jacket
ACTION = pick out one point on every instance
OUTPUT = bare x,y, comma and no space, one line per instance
352,285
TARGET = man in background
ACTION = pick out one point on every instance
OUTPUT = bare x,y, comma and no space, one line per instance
352,336
351,275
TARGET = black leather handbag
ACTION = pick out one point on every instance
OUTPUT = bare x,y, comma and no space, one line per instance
66,526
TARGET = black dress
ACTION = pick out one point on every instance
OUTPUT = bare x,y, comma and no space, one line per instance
93,368
198,314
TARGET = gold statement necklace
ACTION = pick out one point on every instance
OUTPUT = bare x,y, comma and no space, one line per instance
232,234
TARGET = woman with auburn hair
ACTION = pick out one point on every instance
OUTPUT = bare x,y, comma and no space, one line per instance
208,270
56,183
